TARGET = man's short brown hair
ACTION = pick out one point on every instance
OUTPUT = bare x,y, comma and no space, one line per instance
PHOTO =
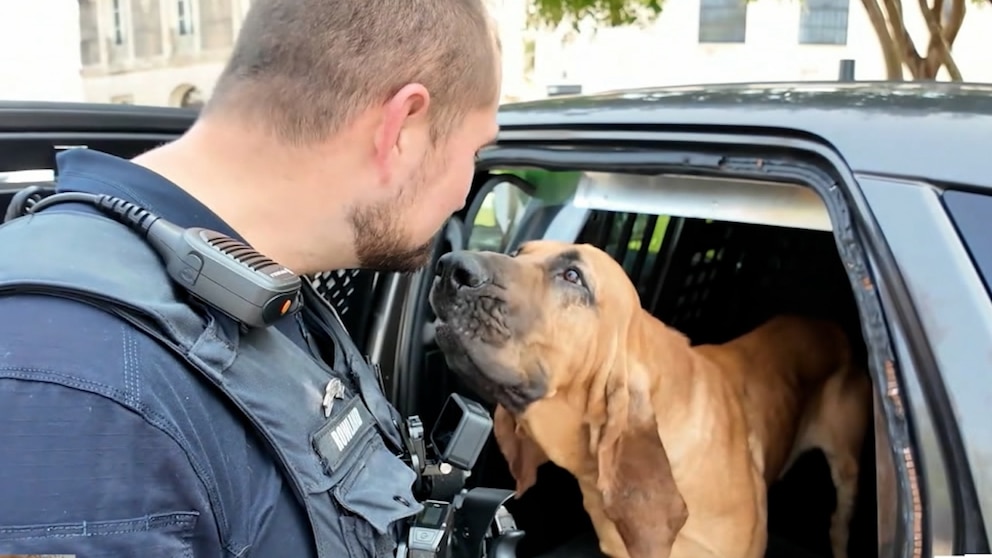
305,68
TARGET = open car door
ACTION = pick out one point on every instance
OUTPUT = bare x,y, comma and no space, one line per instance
717,233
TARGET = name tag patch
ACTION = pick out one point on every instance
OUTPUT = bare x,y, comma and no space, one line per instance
340,435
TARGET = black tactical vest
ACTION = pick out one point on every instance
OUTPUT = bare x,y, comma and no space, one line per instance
343,467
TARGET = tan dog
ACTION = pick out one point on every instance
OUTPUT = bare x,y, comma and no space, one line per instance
673,446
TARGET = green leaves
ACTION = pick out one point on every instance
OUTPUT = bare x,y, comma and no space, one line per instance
605,13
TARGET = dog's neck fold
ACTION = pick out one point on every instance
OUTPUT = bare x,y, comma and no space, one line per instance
655,360
665,366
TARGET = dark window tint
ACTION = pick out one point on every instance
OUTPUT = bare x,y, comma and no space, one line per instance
972,215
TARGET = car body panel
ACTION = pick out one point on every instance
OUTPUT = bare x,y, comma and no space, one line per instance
897,129
955,314
25,117
31,133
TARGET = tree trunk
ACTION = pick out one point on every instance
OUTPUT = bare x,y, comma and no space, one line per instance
942,35
890,53
898,49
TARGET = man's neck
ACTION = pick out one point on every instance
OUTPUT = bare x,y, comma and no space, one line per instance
262,191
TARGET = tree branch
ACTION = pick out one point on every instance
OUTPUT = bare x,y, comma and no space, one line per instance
953,24
893,62
932,62
904,46
938,51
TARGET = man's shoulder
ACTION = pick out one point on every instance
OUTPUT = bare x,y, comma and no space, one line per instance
86,349
62,341
79,377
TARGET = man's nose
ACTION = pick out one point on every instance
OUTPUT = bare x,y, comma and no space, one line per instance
463,270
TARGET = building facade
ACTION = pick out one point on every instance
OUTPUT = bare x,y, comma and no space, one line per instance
170,52
155,52
720,41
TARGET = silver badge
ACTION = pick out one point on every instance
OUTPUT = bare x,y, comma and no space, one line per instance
333,390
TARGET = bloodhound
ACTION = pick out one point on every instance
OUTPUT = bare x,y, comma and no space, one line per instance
673,446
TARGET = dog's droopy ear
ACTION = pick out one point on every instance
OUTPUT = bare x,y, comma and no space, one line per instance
635,477
641,498
522,453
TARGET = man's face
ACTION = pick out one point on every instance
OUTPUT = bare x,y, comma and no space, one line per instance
397,234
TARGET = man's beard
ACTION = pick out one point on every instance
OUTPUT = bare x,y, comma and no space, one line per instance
380,242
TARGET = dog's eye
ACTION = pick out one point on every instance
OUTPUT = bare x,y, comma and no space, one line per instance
514,253
572,275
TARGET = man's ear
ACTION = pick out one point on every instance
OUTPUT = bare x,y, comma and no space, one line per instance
522,453
406,110
635,477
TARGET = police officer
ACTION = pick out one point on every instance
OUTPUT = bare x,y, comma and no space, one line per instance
341,134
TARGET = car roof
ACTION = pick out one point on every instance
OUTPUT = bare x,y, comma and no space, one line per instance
932,130
80,117
929,130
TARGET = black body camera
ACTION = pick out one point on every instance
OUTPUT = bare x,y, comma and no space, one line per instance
455,523
455,441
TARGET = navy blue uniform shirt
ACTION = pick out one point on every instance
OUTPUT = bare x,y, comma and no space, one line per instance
110,446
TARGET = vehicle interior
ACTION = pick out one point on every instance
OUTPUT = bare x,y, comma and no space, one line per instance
711,257
711,270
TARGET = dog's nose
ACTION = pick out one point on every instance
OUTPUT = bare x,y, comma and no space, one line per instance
462,270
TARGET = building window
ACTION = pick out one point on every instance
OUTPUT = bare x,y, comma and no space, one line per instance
722,21
184,16
89,33
823,22
118,15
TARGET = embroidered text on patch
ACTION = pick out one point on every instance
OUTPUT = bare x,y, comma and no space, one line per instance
341,435
345,432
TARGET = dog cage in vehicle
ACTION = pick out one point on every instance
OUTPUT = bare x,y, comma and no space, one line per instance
713,258
734,251
350,292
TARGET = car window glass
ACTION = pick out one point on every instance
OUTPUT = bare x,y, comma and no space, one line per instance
971,214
